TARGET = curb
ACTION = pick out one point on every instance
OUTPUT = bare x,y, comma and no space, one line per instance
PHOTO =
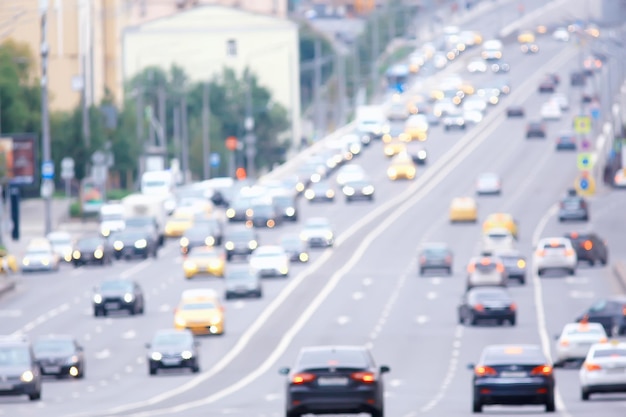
7,286
619,270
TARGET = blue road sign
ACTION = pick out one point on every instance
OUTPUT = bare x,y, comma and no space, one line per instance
595,113
400,88
47,170
214,159
585,144
583,184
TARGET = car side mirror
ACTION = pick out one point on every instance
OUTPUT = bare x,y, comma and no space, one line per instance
79,348
284,371
147,345
471,366
196,343
557,336
384,369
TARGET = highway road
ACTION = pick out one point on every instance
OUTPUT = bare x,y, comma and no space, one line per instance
365,290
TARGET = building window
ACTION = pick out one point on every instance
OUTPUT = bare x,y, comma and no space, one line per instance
231,47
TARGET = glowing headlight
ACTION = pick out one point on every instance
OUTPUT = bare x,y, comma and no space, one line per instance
493,100
215,320
45,262
303,257
229,245
106,232
521,263
180,321
392,172
97,298
368,190
76,254
421,154
389,151
128,297
303,236
328,235
348,190
290,211
186,354
316,178
230,213
309,194
355,149
68,257
209,241
156,356
253,244
98,254
299,187
215,264
249,212
330,193
184,242
27,376
25,262
72,360
141,243
283,270
189,265
118,245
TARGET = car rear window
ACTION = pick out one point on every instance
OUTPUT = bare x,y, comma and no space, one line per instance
495,355
610,353
554,246
352,358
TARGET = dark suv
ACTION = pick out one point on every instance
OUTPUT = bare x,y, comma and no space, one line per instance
589,247
335,380
573,207
610,312
19,371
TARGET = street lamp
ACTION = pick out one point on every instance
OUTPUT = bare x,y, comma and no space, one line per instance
47,184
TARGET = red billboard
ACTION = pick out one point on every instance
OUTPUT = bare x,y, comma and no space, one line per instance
18,158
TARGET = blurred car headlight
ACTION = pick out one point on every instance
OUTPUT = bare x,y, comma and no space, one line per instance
215,319
290,211
253,244
98,253
27,376
189,265
330,193
328,235
25,261
209,241
118,245
316,177
304,257
230,213
76,254
421,154
180,321
367,190
141,244
392,172
45,262
348,191
105,231
186,354
309,194
304,236
97,298
229,245
156,356
128,297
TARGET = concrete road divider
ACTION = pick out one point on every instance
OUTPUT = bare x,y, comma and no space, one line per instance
619,270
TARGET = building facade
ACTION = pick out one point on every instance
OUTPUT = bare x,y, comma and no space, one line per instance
207,38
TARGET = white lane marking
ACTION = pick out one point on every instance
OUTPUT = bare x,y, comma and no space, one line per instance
395,382
103,354
164,308
542,326
435,281
239,305
42,319
98,329
10,313
421,319
342,320
140,360
131,334
577,280
128,369
128,273
272,397
431,295
357,295
367,282
91,388
396,206
87,337
581,294
103,382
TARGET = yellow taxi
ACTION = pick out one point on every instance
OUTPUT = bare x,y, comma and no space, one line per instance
201,311
181,220
204,261
478,38
463,209
417,104
8,262
402,166
500,221
416,127
394,148
526,37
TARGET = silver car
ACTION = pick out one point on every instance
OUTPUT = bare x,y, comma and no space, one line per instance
318,232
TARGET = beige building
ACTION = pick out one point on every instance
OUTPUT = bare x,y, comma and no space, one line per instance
207,38
84,38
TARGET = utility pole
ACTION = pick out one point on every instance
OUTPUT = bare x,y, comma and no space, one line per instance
206,126
250,138
85,107
341,88
317,86
391,21
375,48
356,75
178,148
185,136
162,115
47,184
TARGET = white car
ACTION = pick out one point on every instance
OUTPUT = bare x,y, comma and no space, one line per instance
474,103
551,110
318,232
604,369
440,60
61,244
498,239
561,100
555,253
488,183
620,179
575,340
477,65
453,120
560,34
473,117
40,256
270,261
349,173
353,144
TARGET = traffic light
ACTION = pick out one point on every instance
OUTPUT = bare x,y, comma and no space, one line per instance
364,6
240,173
15,212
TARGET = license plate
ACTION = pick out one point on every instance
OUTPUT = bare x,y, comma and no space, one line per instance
510,374
112,306
332,381
616,370
171,362
6,386
52,369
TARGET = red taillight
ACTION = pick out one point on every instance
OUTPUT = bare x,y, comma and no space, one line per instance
479,307
302,378
448,259
366,377
541,253
587,245
513,307
569,252
545,370
484,371
500,268
592,366
422,259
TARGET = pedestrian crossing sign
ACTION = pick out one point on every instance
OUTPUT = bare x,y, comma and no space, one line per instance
582,124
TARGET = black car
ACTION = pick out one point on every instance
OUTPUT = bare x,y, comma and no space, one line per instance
19,372
238,209
92,250
147,223
173,348
60,355
358,190
589,247
118,295
295,248
515,264
133,243
437,256
335,380
513,375
240,241
578,79
547,86
241,281
566,141
264,215
573,207
535,130
202,233
610,312
487,303
515,111
320,191
287,205
420,156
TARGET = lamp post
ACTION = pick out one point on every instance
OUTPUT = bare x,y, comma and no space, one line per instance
250,137
47,184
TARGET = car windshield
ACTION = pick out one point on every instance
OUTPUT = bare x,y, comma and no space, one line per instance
283,201
37,252
610,353
436,251
239,275
350,358
263,209
495,355
116,286
205,255
197,306
266,254
89,243
60,241
198,232
58,347
14,356
242,203
172,339
317,226
291,241
129,235
139,222
111,217
594,330
491,295
241,234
